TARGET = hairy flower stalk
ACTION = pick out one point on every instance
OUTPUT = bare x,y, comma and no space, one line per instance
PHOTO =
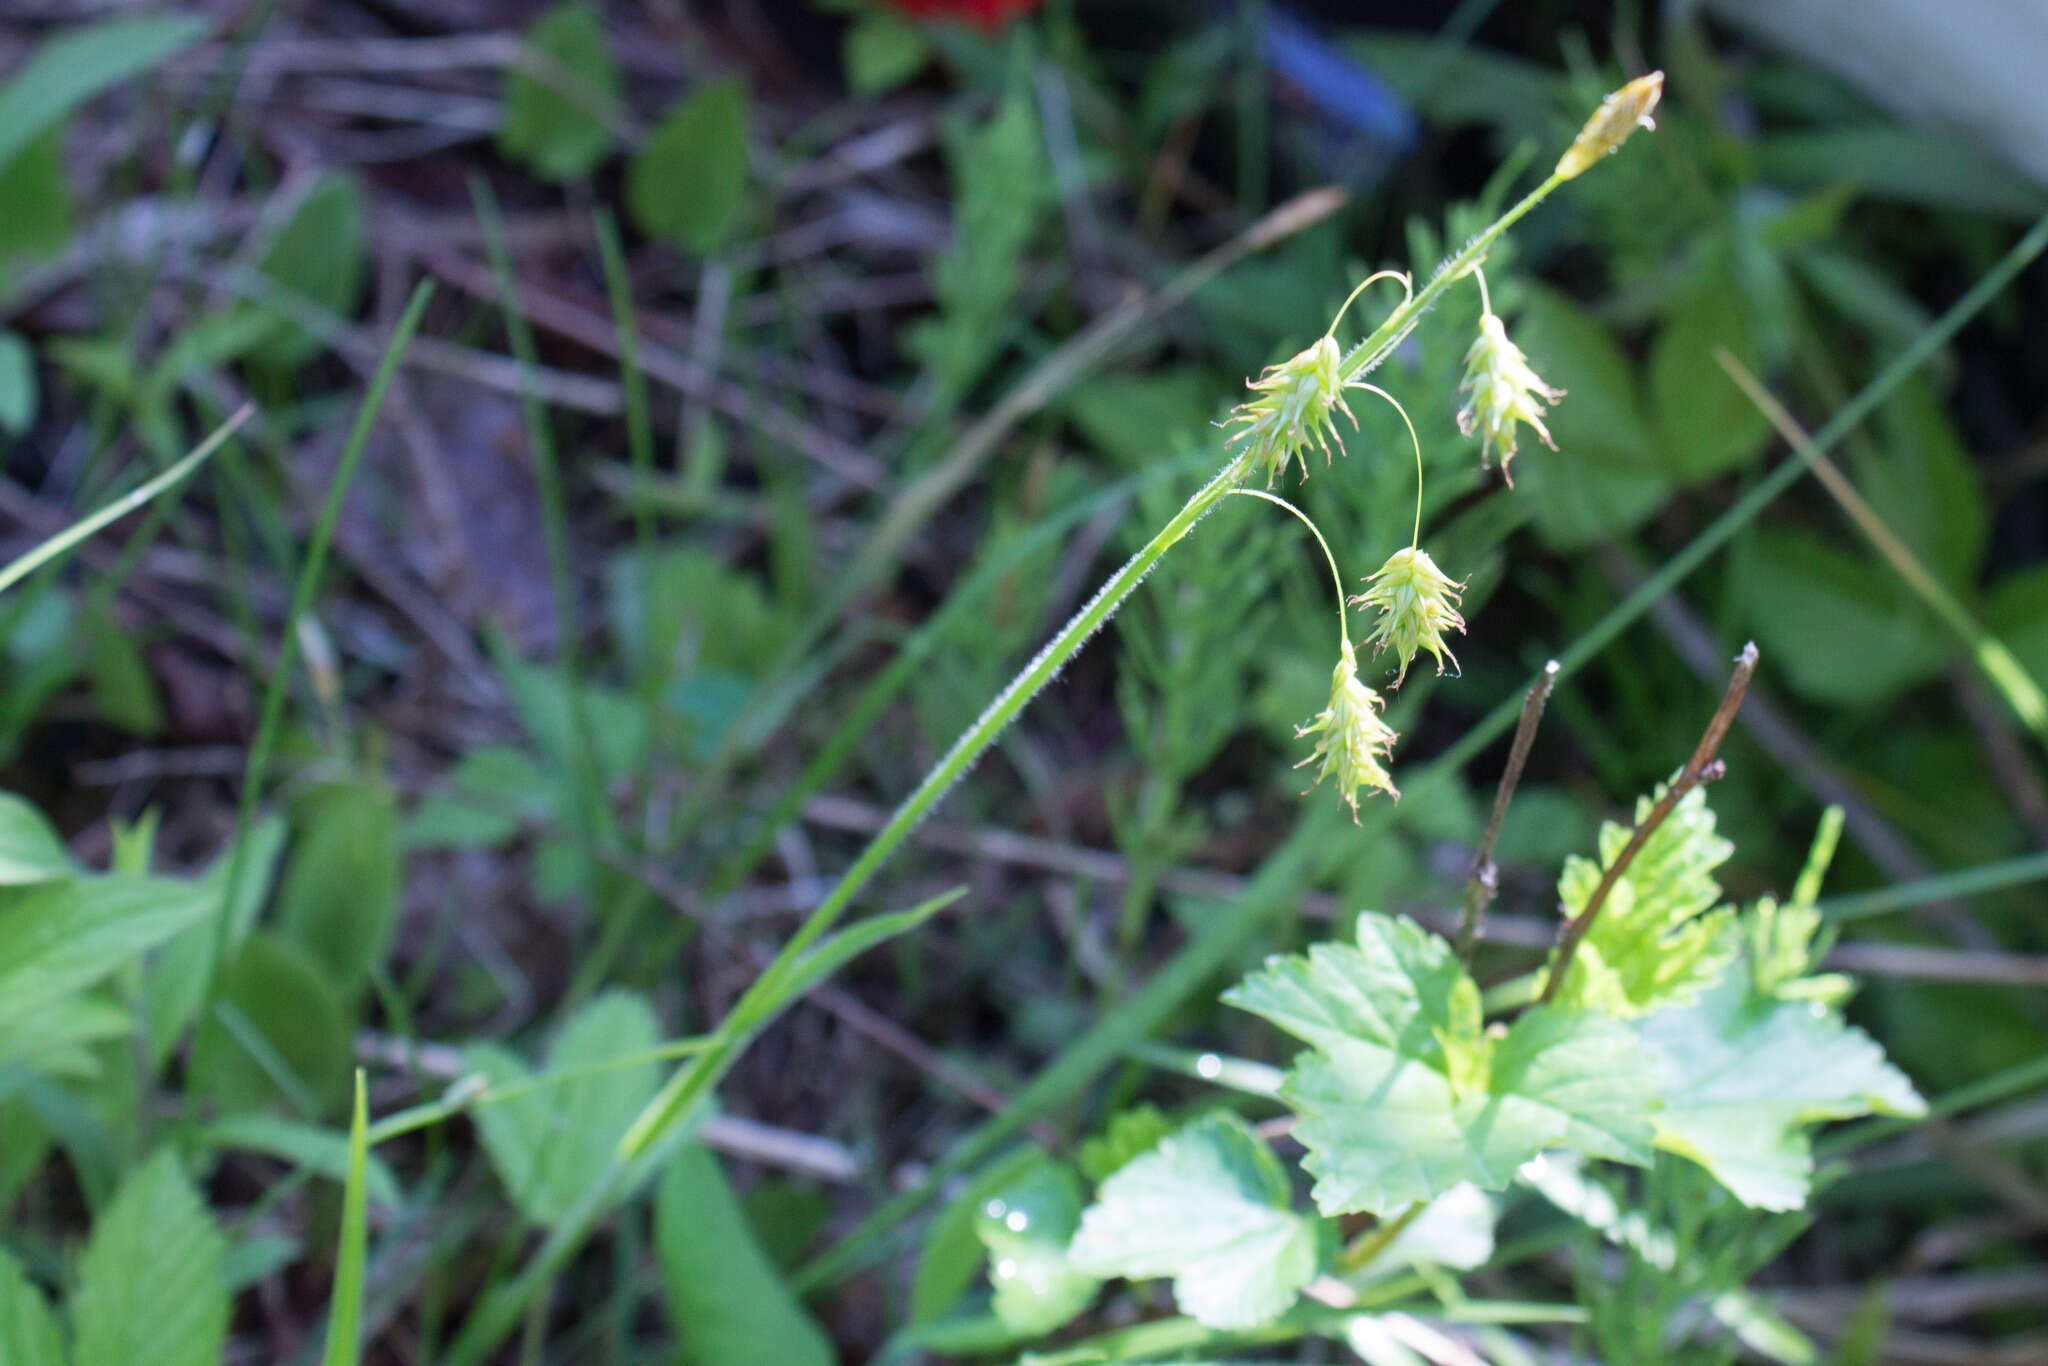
1502,391
1353,743
1417,603
1294,405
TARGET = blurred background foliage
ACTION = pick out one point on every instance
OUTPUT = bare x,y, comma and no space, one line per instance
792,370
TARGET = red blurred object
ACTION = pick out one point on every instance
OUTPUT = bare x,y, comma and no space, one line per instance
990,14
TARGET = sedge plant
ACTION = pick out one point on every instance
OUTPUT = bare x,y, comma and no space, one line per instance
1408,1095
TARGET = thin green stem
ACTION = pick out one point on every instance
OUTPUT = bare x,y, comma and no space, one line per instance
759,1000
1378,1238
113,512
1415,537
308,584
1336,579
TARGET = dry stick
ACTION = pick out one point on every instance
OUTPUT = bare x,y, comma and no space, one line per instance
1702,768
1485,883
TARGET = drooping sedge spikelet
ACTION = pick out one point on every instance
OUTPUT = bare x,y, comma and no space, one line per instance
1501,390
1619,115
1353,744
1294,405
1417,603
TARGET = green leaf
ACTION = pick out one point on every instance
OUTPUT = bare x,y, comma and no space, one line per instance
29,1335
78,64
58,1040
1743,1075
345,1311
1208,1207
2018,615
18,393
726,1298
1925,487
58,938
999,188
1604,478
30,851
952,1254
178,980
38,200
339,897
881,51
552,1144
277,1031
1129,1133
1025,1225
555,131
123,687
1455,1230
317,255
303,1145
1842,627
149,1285
689,180
1654,943
1403,1097
1938,167
1706,424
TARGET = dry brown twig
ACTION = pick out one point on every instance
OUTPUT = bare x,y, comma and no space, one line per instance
1703,767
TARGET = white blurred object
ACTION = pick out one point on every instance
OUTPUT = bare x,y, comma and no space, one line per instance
1974,65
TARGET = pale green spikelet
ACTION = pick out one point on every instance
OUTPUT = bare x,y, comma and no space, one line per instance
1619,115
1502,390
1353,744
1294,405
1417,604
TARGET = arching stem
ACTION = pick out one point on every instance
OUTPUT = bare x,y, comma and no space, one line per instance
1415,538
1336,579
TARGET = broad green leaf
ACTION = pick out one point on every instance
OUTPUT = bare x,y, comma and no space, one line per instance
1209,1207
1654,942
18,392
1455,1230
325,1151
1743,1076
58,938
881,51
1604,478
1924,487
78,64
30,851
1129,1134
2018,615
339,897
1403,1097
689,180
1841,626
57,1041
726,1298
38,200
1706,424
951,1254
277,1031
177,982
552,1144
951,1257
29,1335
1025,1225
345,1305
317,255
555,131
150,1285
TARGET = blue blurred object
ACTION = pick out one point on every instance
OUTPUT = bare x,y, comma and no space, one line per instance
1356,126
